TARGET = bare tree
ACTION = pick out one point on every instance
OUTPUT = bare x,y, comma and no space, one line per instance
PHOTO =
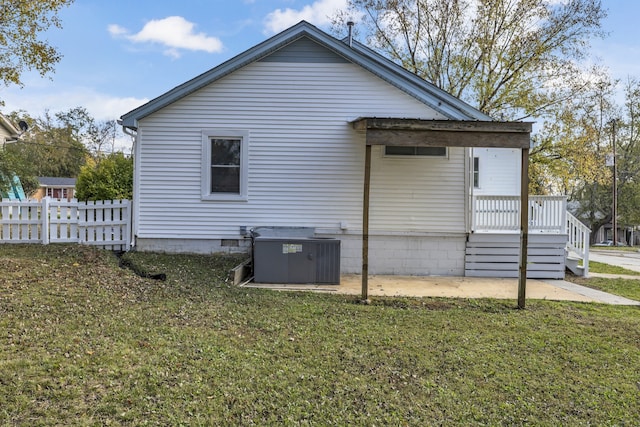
509,58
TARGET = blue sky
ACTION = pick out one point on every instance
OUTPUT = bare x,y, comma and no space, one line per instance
119,54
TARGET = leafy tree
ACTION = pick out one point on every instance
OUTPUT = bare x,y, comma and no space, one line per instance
574,153
572,146
626,135
509,58
49,148
21,48
570,152
10,165
57,145
110,179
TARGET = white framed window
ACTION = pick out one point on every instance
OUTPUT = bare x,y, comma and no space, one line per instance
57,193
224,164
411,150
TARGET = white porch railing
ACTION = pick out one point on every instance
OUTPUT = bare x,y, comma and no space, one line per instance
103,223
578,243
547,214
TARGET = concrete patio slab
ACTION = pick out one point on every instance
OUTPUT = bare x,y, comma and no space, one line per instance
458,287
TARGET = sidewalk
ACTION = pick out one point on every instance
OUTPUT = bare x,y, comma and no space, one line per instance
597,295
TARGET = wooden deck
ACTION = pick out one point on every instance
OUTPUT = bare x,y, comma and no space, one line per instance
553,234
497,255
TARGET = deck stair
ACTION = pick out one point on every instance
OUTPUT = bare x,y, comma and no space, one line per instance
573,264
577,246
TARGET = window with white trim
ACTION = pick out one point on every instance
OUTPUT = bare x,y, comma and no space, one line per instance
410,150
57,193
224,164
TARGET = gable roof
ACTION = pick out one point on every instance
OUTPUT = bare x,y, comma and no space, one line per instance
436,98
51,181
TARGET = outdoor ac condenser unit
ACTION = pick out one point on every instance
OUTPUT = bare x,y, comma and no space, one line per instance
296,260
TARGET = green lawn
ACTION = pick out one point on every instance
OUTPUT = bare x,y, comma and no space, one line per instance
615,248
600,267
629,288
85,342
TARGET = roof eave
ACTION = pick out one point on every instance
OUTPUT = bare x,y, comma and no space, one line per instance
14,132
261,50
447,104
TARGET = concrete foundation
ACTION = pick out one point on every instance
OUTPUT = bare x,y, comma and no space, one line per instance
392,255
194,246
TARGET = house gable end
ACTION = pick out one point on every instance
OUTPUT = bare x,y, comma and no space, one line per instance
304,50
420,89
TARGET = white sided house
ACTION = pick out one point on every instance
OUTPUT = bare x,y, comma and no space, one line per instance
308,131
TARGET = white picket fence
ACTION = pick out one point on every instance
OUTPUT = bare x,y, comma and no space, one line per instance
106,224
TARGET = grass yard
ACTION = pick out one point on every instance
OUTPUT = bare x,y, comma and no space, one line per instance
614,248
599,267
85,342
628,288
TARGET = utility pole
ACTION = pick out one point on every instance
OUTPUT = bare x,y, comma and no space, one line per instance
614,208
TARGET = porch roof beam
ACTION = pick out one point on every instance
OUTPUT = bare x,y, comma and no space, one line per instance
444,133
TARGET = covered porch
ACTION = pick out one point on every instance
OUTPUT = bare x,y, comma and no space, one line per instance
446,133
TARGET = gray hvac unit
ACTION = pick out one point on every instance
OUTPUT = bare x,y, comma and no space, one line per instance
296,260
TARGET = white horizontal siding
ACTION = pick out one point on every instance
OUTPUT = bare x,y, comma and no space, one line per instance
418,194
305,160
499,171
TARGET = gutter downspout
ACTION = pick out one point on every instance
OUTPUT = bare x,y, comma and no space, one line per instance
133,133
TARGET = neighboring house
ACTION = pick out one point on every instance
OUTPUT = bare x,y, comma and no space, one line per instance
56,188
9,132
626,236
305,130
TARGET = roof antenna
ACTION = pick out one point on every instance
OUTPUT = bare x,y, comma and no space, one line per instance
350,25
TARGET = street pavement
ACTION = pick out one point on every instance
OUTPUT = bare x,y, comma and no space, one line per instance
626,259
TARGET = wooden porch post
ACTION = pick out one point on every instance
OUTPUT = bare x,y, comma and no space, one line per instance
365,224
524,227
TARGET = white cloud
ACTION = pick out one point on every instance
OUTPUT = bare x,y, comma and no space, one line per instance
174,32
116,30
316,13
